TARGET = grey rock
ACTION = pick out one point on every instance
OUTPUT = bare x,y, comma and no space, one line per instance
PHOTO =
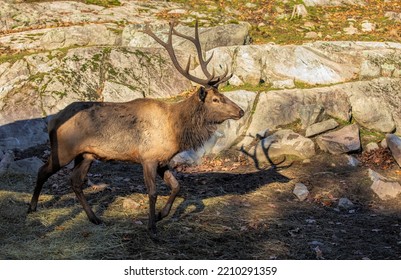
320,127
373,175
283,142
277,108
60,37
300,191
345,204
371,112
310,63
384,188
352,161
26,166
369,69
310,114
394,144
341,141
367,26
351,30
6,160
374,103
23,134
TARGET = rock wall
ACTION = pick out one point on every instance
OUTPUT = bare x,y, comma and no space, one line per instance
50,67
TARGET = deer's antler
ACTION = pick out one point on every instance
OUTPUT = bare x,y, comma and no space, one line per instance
211,79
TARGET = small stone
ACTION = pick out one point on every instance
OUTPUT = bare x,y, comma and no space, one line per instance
250,5
309,25
351,30
371,147
311,35
345,204
301,191
368,26
352,161
310,221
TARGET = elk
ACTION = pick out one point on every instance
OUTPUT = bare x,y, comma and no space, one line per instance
145,131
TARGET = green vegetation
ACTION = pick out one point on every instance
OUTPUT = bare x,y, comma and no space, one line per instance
274,21
104,3
256,88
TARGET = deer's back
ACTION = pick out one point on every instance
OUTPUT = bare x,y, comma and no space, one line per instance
133,131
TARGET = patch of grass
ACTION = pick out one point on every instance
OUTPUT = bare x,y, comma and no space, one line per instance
13,57
272,21
368,136
104,3
249,87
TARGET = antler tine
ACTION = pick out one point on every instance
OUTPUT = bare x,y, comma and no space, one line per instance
203,63
223,78
170,50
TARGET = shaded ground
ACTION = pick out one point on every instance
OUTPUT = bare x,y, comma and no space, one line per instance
227,209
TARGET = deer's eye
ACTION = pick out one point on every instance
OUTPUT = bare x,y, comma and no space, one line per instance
215,100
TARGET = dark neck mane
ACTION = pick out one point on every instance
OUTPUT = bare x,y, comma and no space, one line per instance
192,128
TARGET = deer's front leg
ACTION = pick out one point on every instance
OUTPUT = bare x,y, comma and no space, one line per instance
149,173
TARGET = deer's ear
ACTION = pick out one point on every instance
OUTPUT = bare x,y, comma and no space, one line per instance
202,94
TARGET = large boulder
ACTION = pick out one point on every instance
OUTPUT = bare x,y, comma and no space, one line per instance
283,142
373,103
23,134
383,187
316,63
340,141
60,37
277,108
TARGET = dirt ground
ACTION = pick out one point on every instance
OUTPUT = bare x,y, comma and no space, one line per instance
227,209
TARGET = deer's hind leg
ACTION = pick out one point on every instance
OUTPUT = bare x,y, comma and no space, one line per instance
53,164
172,182
82,165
